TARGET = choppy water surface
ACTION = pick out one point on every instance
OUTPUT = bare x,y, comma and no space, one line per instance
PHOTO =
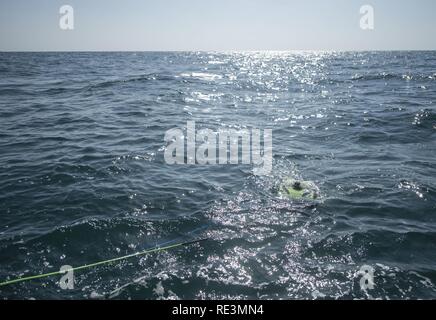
83,177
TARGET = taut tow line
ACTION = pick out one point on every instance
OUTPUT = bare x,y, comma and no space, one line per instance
99,263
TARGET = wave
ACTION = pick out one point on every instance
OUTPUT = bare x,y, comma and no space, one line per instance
392,76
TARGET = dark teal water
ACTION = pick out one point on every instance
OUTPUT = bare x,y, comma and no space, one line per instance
83,178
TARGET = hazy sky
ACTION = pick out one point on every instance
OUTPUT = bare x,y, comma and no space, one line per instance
217,25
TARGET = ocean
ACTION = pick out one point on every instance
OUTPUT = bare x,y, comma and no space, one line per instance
83,176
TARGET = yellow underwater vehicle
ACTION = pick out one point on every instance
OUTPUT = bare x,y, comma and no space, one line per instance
298,190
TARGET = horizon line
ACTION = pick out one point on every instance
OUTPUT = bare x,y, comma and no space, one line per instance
216,51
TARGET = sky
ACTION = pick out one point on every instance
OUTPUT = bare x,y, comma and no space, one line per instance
219,25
